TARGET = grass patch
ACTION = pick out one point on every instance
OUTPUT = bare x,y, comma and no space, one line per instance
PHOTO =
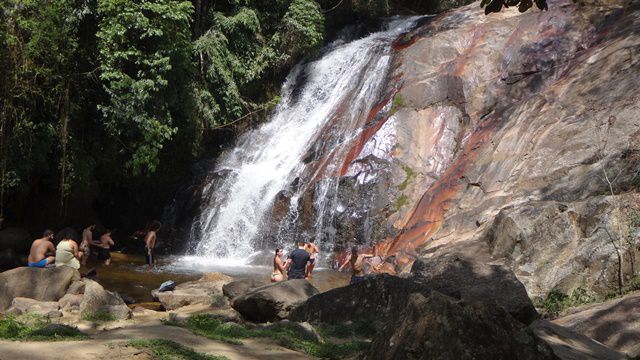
38,329
397,103
162,349
402,201
409,176
99,316
215,328
557,302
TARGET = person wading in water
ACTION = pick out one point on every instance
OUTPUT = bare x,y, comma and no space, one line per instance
150,243
357,265
277,274
85,244
297,262
313,251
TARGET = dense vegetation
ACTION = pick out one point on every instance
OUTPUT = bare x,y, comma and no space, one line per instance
105,104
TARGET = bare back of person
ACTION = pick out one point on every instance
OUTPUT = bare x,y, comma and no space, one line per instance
357,265
40,248
106,242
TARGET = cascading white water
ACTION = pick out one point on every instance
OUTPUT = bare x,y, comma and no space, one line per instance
266,160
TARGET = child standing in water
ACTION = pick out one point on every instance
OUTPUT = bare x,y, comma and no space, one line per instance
313,251
150,243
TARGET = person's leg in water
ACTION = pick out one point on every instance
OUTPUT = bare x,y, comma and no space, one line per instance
310,266
150,260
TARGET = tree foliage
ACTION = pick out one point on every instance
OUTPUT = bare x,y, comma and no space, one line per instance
243,43
142,44
99,97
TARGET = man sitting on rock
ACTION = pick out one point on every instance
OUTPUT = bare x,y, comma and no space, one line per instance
297,262
40,249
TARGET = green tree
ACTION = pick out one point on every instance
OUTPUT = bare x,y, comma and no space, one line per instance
144,47
246,41
38,72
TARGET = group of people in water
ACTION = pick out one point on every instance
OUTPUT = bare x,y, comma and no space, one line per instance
301,261
67,252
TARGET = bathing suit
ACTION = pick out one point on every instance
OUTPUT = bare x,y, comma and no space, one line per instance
309,248
150,258
356,279
103,253
39,264
274,275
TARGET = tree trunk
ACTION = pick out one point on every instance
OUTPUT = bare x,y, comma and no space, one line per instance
3,158
64,132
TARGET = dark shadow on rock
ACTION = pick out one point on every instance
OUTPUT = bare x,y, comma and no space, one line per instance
463,278
615,323
439,327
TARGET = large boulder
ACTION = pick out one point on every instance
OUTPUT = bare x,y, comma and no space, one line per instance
615,323
569,345
17,239
40,284
467,278
70,302
98,300
240,287
207,290
373,299
273,302
20,306
440,327
563,246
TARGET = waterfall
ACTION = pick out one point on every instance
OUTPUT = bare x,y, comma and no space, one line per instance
267,160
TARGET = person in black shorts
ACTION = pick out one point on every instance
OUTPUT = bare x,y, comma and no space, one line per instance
150,242
297,262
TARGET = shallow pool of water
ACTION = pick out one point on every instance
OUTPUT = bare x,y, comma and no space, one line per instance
128,274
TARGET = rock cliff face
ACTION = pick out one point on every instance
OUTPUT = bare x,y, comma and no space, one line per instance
512,139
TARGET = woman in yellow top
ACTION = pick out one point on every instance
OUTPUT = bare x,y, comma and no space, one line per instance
67,253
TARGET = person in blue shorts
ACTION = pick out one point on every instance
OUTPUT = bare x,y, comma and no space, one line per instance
41,250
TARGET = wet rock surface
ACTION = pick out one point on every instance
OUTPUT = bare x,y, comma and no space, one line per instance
504,135
438,327
273,302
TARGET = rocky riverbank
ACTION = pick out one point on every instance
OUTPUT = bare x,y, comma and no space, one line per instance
384,317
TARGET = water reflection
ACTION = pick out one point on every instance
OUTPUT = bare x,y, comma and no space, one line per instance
128,276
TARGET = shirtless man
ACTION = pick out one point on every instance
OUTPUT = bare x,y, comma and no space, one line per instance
87,240
357,265
150,242
313,251
39,250
104,246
